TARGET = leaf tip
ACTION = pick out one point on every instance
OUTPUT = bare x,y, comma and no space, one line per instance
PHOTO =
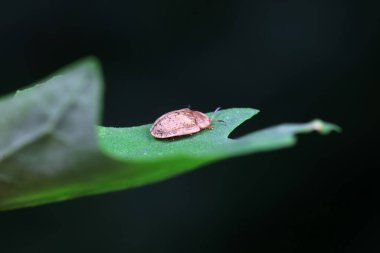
324,127
90,62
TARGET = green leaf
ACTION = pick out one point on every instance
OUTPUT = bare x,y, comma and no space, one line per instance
51,149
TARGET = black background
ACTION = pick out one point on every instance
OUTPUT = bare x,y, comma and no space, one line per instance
293,60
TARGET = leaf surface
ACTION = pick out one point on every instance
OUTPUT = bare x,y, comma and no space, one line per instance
51,149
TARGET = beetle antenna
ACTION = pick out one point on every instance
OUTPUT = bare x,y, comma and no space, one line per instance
213,115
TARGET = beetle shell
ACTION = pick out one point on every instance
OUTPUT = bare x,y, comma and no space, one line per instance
180,122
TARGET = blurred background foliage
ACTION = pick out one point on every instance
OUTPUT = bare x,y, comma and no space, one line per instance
293,60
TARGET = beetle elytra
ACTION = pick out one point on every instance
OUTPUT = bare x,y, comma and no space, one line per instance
181,122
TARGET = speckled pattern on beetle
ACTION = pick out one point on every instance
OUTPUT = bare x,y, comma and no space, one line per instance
179,123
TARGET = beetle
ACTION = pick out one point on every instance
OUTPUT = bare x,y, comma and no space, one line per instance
181,122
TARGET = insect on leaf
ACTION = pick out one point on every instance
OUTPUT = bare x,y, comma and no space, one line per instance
51,149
